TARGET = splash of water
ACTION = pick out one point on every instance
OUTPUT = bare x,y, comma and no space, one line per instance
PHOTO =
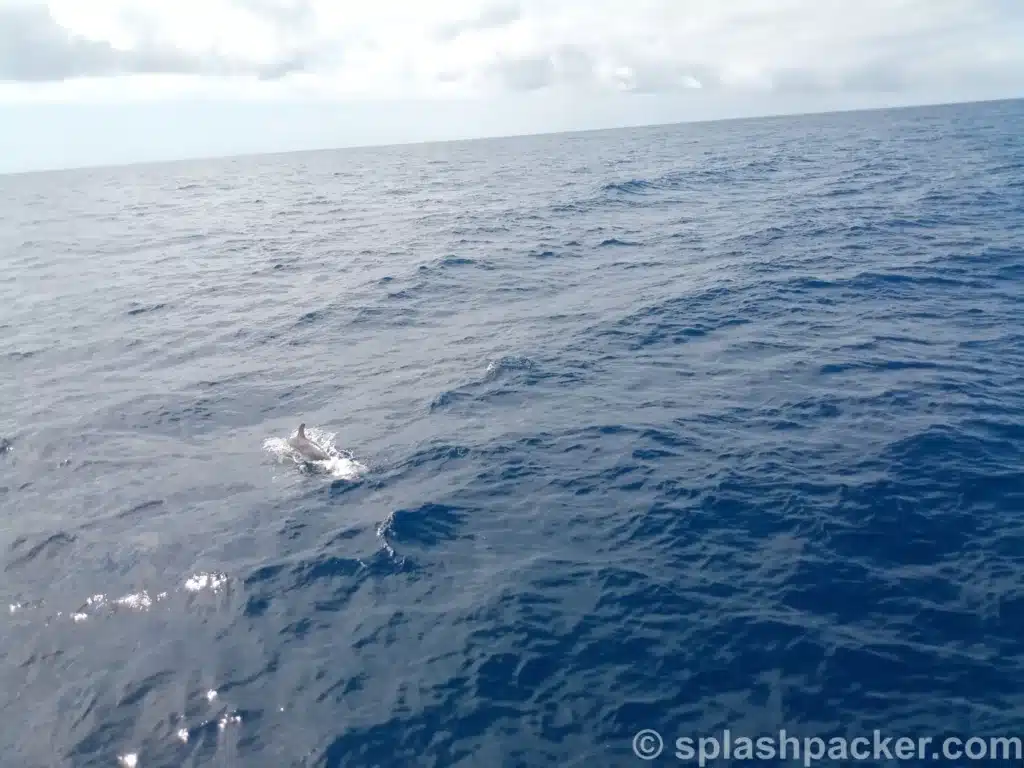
339,464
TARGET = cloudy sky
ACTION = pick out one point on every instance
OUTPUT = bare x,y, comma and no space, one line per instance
86,82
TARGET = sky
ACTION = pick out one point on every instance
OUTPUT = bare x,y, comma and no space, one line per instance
96,82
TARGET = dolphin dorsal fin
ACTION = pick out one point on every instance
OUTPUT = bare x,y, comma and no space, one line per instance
302,430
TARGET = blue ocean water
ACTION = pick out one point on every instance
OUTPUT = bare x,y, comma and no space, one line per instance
686,428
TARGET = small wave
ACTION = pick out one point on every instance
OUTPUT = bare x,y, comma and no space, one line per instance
446,398
508,364
386,316
631,187
457,261
507,376
429,525
48,548
139,309
312,317
878,365
23,354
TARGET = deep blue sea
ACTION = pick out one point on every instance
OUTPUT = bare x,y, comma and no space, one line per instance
685,428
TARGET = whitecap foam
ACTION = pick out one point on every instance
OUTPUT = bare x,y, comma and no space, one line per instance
197,582
340,464
140,601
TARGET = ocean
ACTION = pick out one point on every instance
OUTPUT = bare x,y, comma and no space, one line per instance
688,429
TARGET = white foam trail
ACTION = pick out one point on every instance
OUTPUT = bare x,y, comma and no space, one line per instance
340,464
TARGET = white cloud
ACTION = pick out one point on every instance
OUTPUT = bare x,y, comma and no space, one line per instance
85,82
394,49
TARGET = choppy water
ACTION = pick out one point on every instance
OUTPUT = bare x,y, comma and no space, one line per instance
685,428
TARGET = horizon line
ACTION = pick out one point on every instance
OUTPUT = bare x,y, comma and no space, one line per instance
499,137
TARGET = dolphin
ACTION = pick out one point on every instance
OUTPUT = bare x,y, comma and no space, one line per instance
305,448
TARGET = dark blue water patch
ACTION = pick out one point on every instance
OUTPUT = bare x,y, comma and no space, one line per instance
1012,273
902,522
427,461
326,580
948,452
429,525
877,281
1004,257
